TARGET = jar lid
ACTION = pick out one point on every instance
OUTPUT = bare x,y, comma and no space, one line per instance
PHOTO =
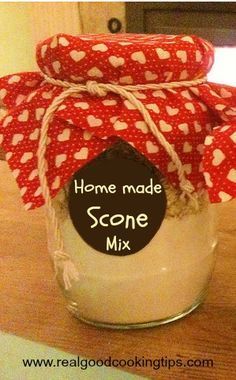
191,120
125,58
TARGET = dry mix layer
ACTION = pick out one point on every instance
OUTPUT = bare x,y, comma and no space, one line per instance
177,204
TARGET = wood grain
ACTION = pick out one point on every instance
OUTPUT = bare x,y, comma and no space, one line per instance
95,15
50,18
33,307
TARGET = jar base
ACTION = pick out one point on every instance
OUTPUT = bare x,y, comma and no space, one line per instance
73,309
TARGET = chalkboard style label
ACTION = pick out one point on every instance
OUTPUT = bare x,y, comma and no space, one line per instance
117,202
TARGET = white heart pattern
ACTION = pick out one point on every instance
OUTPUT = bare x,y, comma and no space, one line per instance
225,93
151,148
224,196
33,174
208,140
218,157
7,120
198,56
126,79
153,107
168,75
95,72
165,127
93,121
149,76
225,128
82,105
159,94
182,55
60,158
56,183
232,175
62,107
24,116
47,95
38,191
20,98
116,61
200,148
139,57
54,42
31,96
31,83
184,128
18,137
16,173
172,111
82,154
23,191
208,179
14,79
8,154
125,43
43,50
233,137
77,55
190,107
187,148
183,75
109,102
26,157
113,119
56,66
34,135
64,135
39,113
220,107
3,93
27,206
197,126
63,41
162,54
203,106
87,135
142,126
187,39
100,47
186,95
120,125
231,111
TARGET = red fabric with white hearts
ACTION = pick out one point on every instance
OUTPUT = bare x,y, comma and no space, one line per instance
84,125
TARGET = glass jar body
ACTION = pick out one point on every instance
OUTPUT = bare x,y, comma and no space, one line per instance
164,281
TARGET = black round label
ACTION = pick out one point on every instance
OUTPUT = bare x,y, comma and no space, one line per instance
117,203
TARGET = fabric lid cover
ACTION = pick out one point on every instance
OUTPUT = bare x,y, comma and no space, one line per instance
199,121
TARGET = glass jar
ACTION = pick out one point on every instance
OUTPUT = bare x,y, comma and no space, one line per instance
164,281
155,97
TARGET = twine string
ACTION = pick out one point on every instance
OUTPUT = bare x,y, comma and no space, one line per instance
62,260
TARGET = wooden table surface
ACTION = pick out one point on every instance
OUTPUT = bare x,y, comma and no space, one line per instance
33,307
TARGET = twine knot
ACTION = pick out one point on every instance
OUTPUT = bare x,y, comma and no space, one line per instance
95,88
186,186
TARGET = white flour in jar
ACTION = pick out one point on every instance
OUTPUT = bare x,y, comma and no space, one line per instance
164,279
